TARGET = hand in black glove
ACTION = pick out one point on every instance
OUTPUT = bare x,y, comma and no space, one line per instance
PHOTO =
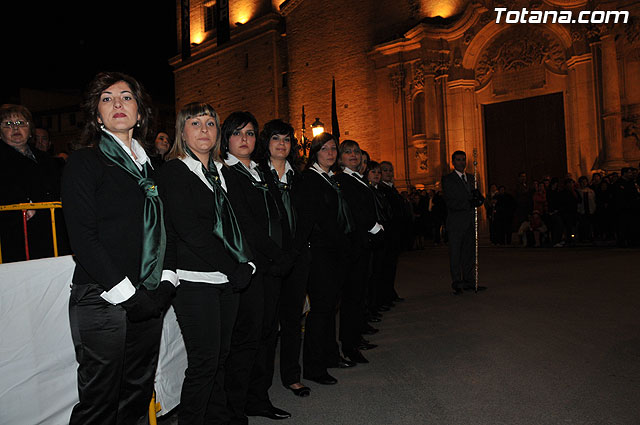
477,199
376,241
241,277
140,306
282,266
163,294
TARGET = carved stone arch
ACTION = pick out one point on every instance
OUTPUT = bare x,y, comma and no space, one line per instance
491,31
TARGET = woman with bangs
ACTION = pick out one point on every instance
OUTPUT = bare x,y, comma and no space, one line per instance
249,368
277,152
209,257
326,222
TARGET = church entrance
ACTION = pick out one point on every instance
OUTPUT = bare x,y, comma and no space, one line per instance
525,135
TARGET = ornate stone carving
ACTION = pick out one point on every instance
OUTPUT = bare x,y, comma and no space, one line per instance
632,30
418,76
397,80
422,156
519,48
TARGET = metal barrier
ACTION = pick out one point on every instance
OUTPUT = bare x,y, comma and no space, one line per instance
24,207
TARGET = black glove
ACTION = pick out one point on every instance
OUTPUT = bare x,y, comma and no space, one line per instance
376,241
241,277
140,306
476,198
282,266
163,294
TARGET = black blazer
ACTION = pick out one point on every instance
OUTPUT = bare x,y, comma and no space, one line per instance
317,202
458,199
188,216
361,201
103,208
244,196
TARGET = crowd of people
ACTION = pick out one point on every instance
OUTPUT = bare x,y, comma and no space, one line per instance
556,212
230,225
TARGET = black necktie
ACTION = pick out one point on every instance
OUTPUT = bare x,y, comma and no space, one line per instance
345,221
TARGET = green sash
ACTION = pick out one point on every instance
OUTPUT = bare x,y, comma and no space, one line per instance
345,220
153,234
225,223
285,191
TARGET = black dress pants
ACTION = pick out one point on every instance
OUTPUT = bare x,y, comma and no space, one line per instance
261,376
245,340
320,348
117,360
352,317
461,254
292,296
206,314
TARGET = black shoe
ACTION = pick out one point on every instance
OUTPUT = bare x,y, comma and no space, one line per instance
366,346
370,330
398,300
269,412
300,392
342,363
356,356
384,308
363,340
375,314
374,319
325,379
457,291
473,288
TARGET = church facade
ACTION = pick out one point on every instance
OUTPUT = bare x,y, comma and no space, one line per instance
417,80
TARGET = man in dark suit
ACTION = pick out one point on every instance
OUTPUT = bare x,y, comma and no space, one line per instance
461,198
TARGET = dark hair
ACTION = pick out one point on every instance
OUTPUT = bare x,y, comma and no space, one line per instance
371,165
316,144
270,129
9,109
100,83
453,155
236,121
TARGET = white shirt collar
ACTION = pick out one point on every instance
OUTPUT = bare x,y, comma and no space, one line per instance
387,183
458,173
232,160
355,175
195,167
138,150
315,167
287,167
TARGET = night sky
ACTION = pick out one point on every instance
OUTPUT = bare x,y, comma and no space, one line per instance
63,44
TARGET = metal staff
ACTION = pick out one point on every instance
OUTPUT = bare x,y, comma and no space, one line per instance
475,213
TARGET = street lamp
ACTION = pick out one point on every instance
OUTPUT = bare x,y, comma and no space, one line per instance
317,127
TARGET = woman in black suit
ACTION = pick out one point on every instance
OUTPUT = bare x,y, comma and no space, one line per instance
115,224
277,153
250,364
361,202
207,250
326,222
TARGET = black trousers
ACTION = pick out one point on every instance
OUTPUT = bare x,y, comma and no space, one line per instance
461,254
117,360
352,317
325,280
392,247
292,296
245,340
206,314
261,377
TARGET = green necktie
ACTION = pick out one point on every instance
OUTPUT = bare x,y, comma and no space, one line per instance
345,221
285,191
225,223
153,235
275,232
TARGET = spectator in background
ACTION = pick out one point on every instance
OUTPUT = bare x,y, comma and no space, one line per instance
524,203
161,144
539,198
26,176
42,142
627,199
503,216
603,218
586,208
596,179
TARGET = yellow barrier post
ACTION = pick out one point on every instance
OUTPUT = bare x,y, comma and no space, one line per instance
35,206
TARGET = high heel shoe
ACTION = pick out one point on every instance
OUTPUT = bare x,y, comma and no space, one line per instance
300,392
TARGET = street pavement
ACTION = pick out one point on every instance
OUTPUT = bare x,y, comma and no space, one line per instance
555,339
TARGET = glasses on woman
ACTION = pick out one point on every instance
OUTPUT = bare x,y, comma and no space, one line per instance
14,124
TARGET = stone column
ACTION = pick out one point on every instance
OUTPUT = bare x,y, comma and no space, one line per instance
461,119
611,109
